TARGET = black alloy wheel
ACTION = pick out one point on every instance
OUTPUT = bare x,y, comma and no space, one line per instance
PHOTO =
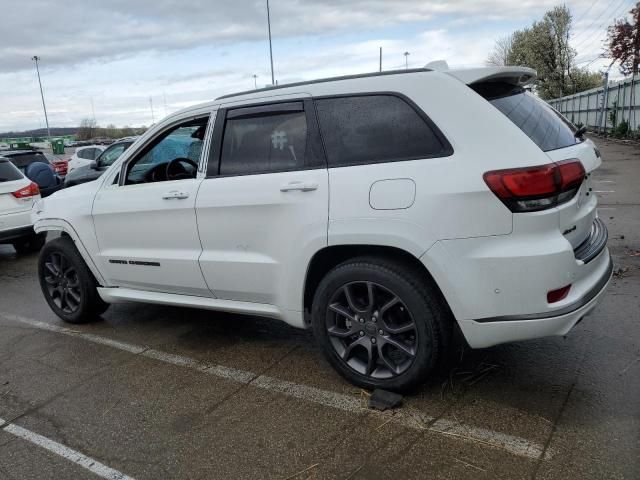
371,330
62,282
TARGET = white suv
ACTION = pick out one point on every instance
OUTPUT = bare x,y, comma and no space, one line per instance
17,196
381,210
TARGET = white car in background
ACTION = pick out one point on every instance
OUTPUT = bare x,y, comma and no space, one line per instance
17,196
84,156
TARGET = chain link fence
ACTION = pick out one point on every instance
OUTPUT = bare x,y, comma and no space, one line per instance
618,117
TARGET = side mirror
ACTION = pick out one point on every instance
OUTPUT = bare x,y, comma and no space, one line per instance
93,165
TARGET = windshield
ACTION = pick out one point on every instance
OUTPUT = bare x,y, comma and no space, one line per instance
541,123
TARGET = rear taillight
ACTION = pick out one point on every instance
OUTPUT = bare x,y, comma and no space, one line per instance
30,190
554,296
530,189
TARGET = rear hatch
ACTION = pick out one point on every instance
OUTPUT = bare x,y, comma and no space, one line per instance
23,159
554,135
11,181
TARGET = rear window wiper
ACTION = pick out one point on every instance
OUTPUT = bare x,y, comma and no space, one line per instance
579,133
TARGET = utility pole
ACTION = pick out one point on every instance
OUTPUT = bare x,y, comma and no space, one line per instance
35,58
406,60
380,59
602,121
153,120
273,82
255,81
164,99
93,111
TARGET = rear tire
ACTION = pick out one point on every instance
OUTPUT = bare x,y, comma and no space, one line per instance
30,244
380,323
68,286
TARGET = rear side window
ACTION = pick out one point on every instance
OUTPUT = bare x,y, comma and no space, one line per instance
88,153
376,128
542,124
8,172
264,143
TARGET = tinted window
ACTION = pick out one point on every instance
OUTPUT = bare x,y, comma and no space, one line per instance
8,172
23,160
542,124
112,153
373,129
265,143
86,153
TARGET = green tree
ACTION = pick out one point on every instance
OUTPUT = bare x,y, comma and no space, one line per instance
623,42
544,46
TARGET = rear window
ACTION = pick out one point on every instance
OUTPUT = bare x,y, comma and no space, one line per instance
8,173
541,123
376,128
23,160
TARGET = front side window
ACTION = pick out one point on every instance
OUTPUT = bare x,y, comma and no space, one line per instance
112,153
374,129
267,142
174,155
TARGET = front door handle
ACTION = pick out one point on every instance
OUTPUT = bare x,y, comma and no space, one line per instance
299,186
175,194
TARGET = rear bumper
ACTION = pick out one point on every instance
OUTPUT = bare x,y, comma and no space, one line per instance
493,331
15,225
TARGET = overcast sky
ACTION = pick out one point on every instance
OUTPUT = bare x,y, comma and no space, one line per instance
118,53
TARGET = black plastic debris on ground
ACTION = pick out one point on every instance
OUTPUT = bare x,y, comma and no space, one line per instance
384,400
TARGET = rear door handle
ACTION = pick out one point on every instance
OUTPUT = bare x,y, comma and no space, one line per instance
175,194
299,186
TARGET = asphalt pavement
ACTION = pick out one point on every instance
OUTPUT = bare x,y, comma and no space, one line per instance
154,392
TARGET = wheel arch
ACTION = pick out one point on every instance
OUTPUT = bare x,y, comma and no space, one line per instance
329,257
65,229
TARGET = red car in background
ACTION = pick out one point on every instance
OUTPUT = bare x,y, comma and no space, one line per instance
60,165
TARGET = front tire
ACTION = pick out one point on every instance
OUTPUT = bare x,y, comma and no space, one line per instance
67,284
380,323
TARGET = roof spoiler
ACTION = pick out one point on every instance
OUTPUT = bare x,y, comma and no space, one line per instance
513,75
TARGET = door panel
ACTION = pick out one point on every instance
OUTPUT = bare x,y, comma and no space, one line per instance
148,236
259,232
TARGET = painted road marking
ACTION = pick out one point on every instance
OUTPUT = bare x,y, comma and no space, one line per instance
65,452
406,416
604,191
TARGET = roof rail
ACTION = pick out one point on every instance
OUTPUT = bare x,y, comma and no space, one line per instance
323,80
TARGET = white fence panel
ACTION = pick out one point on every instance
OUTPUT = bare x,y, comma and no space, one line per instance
584,108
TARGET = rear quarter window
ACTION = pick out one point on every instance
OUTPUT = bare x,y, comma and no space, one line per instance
378,128
8,172
541,123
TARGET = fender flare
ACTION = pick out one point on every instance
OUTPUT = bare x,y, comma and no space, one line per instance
60,225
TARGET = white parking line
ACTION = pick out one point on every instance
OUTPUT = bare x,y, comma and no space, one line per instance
65,452
406,416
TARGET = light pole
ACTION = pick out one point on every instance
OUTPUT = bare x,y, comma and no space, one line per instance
35,58
406,60
153,120
270,48
255,81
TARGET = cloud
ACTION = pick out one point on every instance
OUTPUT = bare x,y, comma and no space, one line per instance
108,29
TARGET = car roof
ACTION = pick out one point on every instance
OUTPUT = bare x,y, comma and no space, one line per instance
515,74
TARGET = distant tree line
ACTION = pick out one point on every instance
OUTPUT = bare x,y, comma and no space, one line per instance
544,46
89,129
